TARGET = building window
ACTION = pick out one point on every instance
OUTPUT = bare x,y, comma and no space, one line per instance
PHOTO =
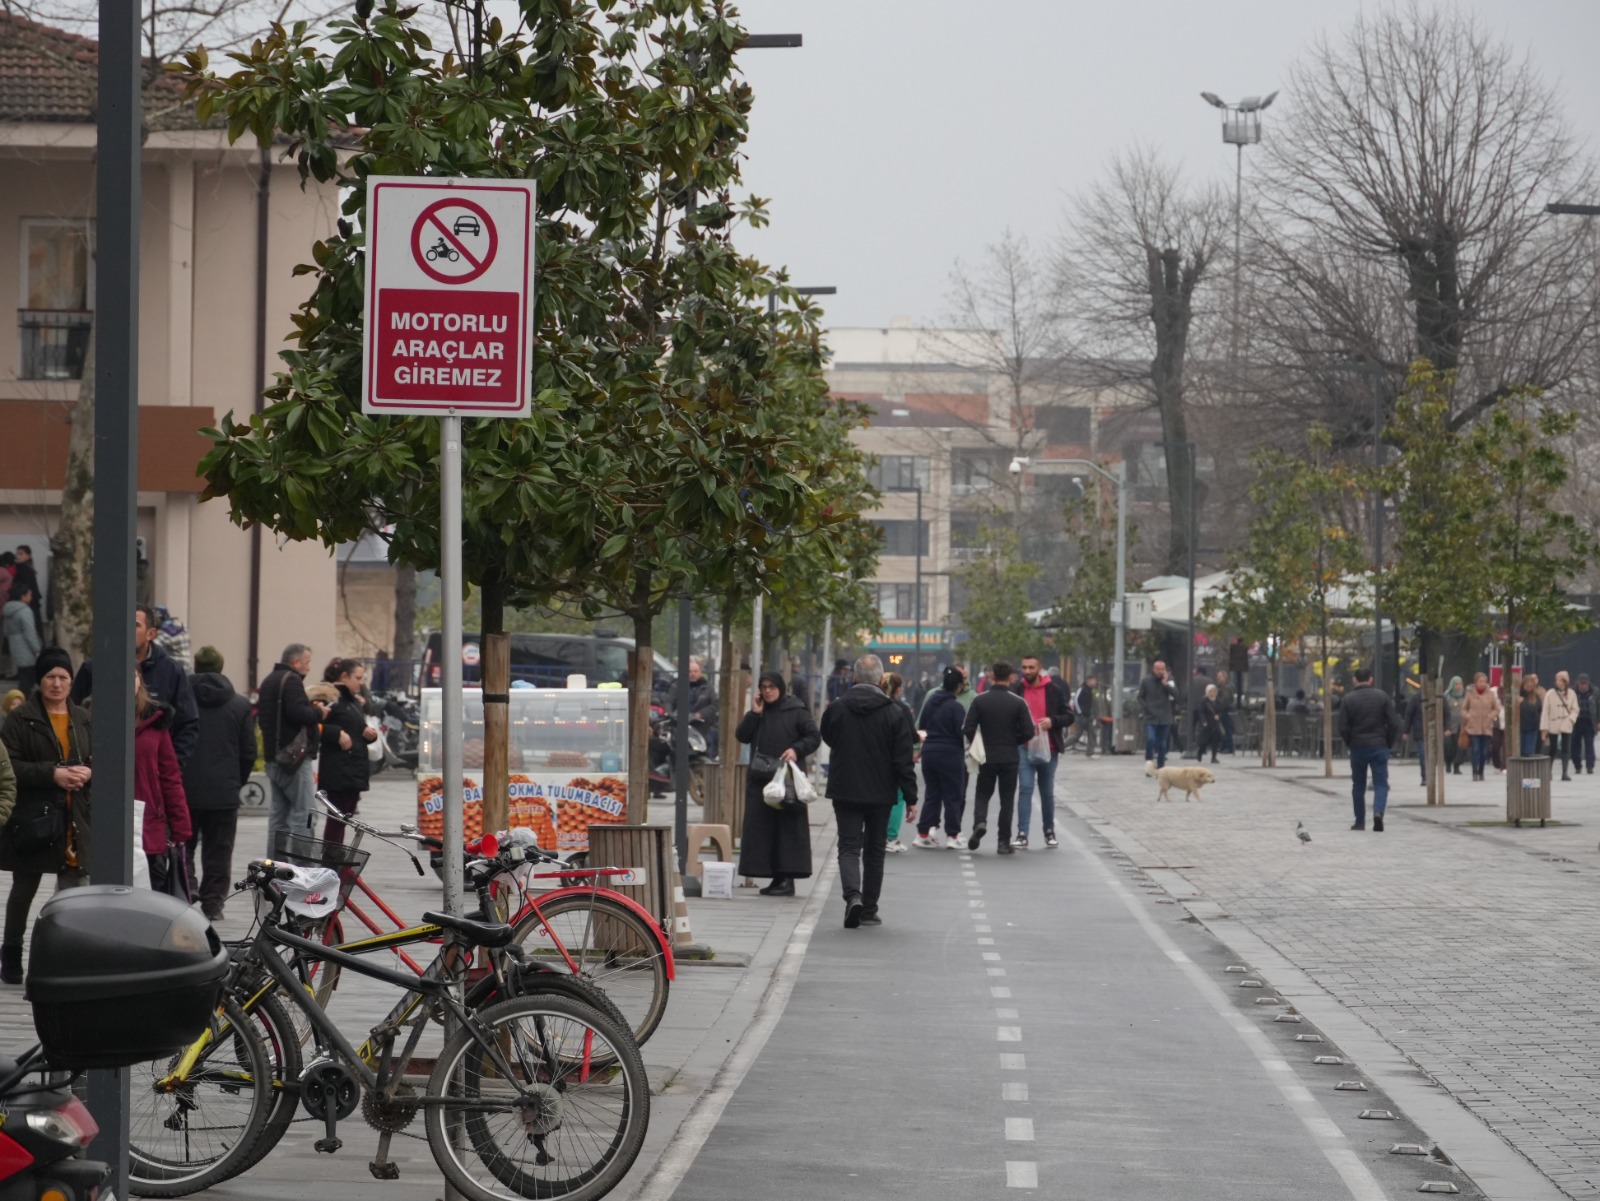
900,537
1063,424
900,473
975,470
57,295
895,602
966,536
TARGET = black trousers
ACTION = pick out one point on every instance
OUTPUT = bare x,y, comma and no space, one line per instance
1005,775
24,887
1583,744
211,852
863,831
344,800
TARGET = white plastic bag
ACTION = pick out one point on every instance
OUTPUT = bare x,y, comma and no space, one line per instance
1039,748
313,892
803,790
975,750
775,790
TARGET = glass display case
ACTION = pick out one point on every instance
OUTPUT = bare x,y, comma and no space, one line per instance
567,760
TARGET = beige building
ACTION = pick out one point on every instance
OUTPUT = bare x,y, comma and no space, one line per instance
220,234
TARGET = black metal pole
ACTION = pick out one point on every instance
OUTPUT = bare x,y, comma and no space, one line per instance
116,459
680,740
916,600
1194,537
1377,542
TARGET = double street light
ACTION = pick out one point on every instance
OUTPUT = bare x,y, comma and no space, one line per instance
1117,476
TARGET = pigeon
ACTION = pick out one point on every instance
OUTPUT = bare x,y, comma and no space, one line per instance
1300,832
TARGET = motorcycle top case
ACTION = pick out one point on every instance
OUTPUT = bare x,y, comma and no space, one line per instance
119,976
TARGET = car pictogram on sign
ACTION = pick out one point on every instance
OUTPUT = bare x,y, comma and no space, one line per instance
454,241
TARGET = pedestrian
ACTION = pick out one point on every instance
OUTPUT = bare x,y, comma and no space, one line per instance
1047,706
1157,695
1210,738
224,756
944,769
1368,724
1558,717
1298,706
8,572
21,631
1454,742
894,684
799,688
872,763
1225,712
25,577
702,704
839,680
1415,727
158,782
48,740
166,681
1194,698
1532,714
285,713
1480,718
1003,720
344,769
776,843
1583,729
1084,726
1238,666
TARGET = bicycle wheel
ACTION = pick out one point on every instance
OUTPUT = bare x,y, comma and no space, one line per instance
188,1134
609,945
531,982
282,1043
555,1126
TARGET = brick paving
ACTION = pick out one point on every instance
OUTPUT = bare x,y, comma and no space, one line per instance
1471,947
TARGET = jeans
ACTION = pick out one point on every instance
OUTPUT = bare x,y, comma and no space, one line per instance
944,779
1530,743
1045,774
24,887
863,830
1480,751
1005,775
1363,759
1227,733
1583,744
211,852
292,796
1156,738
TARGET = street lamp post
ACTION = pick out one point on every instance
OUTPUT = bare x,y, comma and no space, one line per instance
1118,477
1241,127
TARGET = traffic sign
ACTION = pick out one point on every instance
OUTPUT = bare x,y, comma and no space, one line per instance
449,303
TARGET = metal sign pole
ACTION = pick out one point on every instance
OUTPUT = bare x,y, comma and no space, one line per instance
450,654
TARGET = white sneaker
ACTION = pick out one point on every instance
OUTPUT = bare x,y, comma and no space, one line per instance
925,841
894,846
955,843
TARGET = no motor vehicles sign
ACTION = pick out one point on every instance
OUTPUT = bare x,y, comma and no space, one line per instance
449,297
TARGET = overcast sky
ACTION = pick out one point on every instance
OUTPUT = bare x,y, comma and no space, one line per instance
908,133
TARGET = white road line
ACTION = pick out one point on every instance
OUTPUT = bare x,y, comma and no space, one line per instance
1358,1179
1000,993
1011,1091
1008,1034
1021,1175
983,929
1005,1011
1019,1130
985,942
992,956
997,971
1011,1061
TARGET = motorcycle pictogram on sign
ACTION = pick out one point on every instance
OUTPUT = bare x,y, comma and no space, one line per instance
454,241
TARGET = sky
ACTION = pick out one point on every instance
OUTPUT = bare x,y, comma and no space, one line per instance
907,134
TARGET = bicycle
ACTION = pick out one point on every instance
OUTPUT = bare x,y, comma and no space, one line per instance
538,1071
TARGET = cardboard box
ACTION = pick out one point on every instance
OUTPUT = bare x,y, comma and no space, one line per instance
716,880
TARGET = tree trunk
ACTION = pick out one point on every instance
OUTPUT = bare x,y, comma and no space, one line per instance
405,616
731,703
72,545
496,646
1269,718
639,689
1327,700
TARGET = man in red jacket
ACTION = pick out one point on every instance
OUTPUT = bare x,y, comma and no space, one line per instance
1047,705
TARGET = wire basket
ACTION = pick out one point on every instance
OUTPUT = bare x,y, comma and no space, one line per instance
305,851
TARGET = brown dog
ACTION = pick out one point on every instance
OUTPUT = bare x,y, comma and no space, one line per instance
1190,779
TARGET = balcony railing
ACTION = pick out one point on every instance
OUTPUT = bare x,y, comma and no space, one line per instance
54,342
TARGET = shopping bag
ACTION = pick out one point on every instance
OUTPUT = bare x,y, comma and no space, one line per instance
1039,748
804,793
975,751
776,790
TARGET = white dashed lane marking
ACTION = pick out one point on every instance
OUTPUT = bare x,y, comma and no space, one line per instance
1005,1012
1000,993
1009,1034
1021,1175
1013,1092
1011,1061
1019,1130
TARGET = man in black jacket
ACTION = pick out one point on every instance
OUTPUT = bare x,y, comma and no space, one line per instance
222,761
285,711
1368,724
1157,696
871,766
1047,705
166,681
1003,718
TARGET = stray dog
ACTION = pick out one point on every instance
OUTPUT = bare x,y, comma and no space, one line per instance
1190,779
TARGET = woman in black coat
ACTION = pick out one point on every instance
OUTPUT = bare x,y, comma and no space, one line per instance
344,770
776,842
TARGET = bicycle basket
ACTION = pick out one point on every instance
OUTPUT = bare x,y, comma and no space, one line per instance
305,851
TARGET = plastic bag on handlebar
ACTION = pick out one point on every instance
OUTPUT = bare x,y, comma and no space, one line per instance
312,892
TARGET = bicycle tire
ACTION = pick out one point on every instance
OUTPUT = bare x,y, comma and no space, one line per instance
635,978
614,1102
285,1062
531,982
205,1155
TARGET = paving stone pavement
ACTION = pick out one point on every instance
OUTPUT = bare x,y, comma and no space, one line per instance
1469,946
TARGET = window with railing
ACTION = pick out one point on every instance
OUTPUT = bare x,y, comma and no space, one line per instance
899,473
55,318
901,602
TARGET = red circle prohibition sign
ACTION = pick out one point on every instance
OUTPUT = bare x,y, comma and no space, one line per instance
451,249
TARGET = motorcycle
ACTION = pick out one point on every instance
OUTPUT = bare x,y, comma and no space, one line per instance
394,716
46,1129
663,726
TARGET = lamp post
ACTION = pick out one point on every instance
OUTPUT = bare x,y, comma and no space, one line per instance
1241,127
1118,478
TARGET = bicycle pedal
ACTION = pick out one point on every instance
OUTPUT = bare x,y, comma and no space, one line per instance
327,1145
384,1171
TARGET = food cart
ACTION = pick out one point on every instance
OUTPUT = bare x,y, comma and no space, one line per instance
567,760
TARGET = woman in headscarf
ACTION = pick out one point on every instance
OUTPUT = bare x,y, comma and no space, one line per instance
1453,742
776,843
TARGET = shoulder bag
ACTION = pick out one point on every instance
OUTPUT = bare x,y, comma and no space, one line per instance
293,753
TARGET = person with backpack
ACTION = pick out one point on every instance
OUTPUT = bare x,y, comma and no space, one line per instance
224,756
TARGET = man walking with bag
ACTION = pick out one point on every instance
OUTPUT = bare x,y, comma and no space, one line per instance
871,741
1047,705
289,734
1003,720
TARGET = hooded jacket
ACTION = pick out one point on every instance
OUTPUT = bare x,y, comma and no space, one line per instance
786,724
872,741
168,684
225,754
941,720
21,633
158,782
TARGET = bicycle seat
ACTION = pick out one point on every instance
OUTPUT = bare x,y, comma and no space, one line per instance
479,934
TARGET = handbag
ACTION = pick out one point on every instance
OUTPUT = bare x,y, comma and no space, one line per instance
762,766
169,873
40,829
1463,740
293,753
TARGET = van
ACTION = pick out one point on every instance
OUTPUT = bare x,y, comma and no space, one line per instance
546,660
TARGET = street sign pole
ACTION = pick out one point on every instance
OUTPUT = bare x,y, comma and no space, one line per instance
450,654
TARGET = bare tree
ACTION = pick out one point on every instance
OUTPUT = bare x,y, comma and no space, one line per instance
1140,246
1403,213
